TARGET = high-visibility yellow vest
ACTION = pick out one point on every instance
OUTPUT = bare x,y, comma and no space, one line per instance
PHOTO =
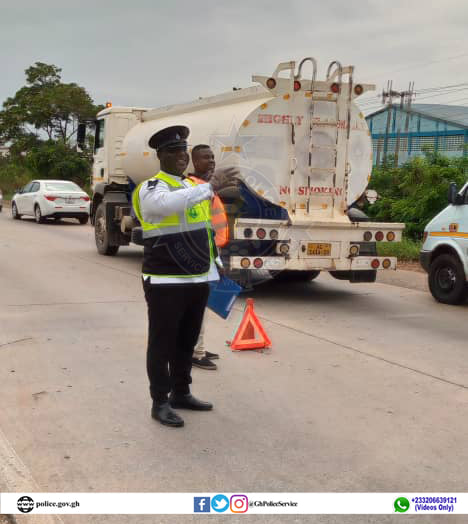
193,218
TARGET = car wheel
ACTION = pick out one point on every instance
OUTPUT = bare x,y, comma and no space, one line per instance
38,215
101,234
447,280
14,212
83,220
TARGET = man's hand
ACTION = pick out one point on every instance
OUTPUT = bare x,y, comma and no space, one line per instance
224,178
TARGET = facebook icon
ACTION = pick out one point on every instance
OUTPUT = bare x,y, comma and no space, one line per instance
201,504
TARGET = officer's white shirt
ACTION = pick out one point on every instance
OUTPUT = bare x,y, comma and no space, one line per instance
158,201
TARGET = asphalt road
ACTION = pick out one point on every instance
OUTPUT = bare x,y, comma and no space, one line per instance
365,388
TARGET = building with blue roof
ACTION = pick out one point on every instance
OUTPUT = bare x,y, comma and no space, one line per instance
434,127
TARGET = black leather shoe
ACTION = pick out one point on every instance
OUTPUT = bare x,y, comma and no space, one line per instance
189,402
163,413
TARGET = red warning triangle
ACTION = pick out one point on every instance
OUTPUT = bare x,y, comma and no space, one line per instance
250,334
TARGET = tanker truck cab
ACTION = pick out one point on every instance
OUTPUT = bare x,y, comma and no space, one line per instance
304,153
444,254
112,188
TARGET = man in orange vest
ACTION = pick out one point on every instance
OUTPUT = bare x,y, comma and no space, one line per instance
204,165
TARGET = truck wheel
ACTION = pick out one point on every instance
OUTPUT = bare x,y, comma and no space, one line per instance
294,276
101,234
447,280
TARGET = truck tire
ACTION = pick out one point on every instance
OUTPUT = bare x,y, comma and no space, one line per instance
447,280
294,276
100,233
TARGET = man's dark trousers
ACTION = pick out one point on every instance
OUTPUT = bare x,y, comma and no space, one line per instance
175,315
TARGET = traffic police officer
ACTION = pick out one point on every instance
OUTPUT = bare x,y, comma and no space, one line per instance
179,260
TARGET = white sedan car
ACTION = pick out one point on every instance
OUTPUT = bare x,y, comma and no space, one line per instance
51,199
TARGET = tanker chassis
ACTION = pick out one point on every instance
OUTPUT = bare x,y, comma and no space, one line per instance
304,153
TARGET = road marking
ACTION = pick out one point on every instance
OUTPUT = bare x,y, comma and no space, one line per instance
15,477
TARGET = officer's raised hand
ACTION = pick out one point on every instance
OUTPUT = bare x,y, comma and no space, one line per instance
224,178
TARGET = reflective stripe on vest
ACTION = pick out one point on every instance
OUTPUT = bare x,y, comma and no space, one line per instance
193,218
219,218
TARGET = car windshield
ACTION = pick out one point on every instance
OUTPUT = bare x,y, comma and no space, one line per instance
61,186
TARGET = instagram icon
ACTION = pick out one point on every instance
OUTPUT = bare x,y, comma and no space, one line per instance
239,503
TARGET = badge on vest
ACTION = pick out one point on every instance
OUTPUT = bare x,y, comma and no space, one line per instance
192,212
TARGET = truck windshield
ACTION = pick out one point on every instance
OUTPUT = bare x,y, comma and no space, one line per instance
99,136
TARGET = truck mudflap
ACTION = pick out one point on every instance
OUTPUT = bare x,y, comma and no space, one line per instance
278,263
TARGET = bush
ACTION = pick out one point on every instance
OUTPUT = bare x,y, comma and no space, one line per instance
416,191
407,249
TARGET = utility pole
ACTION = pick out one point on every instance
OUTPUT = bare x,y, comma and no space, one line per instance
405,96
387,98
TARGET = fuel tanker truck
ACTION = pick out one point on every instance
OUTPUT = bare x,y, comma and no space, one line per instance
304,153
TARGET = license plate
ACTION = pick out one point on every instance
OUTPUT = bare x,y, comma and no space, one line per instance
318,250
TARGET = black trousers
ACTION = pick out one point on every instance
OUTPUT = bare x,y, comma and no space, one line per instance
175,315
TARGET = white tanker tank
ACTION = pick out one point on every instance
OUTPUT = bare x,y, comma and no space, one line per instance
300,144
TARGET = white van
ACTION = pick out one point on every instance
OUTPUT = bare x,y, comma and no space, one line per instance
444,254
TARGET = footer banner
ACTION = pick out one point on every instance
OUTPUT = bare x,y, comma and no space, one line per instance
233,503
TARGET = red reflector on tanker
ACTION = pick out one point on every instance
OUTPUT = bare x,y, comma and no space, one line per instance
379,236
51,198
271,83
274,234
358,89
390,236
261,233
245,263
367,236
375,263
248,232
258,263
297,85
335,88
386,263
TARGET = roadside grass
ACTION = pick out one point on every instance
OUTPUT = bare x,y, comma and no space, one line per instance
406,250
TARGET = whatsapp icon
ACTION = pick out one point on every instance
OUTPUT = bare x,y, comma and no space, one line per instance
401,505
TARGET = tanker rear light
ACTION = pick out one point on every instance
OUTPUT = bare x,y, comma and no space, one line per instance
375,263
274,234
261,233
379,236
358,89
258,263
386,263
368,236
245,263
297,85
271,83
390,236
108,104
248,232
335,87
284,249
354,250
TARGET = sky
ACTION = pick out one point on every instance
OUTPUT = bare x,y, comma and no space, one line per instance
153,53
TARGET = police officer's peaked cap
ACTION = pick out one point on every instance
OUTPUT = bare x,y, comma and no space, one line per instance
174,137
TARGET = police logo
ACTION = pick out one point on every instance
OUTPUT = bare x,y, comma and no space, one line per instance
192,212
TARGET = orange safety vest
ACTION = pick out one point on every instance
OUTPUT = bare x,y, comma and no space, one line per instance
219,218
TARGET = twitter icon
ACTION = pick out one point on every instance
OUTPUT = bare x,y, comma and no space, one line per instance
220,503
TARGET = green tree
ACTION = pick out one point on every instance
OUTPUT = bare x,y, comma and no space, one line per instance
45,108
416,191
